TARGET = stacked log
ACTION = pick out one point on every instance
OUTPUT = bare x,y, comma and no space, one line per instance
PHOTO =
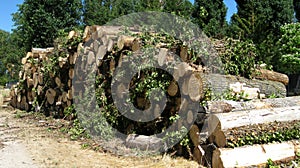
258,126
108,48
45,81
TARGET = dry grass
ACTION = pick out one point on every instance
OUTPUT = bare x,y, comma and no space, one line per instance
51,148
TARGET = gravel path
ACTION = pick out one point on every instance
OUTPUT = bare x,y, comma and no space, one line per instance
13,152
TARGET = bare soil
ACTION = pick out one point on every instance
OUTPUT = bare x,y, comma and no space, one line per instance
31,140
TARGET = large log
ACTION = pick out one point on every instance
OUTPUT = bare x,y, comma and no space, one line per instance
271,75
142,142
256,155
198,83
221,122
232,106
220,84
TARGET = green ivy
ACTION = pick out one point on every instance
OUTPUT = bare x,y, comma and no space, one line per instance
280,135
238,57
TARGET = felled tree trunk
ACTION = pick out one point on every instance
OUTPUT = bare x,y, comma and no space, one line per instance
256,155
265,74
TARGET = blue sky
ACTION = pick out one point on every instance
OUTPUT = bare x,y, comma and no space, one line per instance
8,7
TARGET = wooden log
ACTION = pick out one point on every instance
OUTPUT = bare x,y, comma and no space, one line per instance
71,73
239,157
184,53
195,87
270,75
35,79
70,93
62,61
91,58
128,42
194,135
219,84
41,78
86,34
142,142
72,58
222,105
112,65
24,60
190,117
58,82
102,50
29,82
64,97
50,95
199,155
162,56
173,88
220,123
39,90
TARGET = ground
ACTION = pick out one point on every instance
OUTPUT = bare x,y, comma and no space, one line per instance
31,140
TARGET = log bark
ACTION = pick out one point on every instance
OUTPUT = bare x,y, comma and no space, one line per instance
271,75
219,84
239,157
232,106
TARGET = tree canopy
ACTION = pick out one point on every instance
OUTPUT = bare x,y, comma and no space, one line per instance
38,21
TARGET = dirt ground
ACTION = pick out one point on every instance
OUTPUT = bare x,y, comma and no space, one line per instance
29,140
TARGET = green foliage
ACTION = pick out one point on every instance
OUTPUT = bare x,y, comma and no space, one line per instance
271,164
238,57
257,19
210,16
289,50
76,131
173,136
37,21
9,56
280,135
96,12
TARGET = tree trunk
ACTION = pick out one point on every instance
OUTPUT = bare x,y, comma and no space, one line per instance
265,74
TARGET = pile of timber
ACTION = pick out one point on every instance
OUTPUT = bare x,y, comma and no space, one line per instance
231,121
51,91
45,80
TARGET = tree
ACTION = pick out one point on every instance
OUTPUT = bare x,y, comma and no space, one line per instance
257,19
183,8
9,56
289,51
210,16
96,12
296,4
38,21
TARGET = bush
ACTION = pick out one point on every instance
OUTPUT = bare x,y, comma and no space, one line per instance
238,57
289,49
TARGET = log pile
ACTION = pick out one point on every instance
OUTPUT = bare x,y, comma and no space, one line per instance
50,80
269,128
45,81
